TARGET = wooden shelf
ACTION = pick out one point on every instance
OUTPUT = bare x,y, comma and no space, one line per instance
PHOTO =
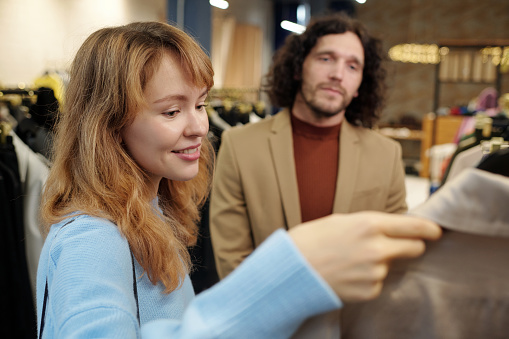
437,130
401,133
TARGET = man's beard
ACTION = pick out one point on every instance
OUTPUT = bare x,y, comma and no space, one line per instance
323,110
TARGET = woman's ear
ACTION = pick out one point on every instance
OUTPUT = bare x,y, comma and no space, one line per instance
119,137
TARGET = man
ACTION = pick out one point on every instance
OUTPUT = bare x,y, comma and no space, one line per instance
315,157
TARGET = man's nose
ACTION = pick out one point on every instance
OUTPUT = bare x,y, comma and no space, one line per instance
337,70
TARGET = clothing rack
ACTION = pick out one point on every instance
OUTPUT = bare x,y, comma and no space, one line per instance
237,105
236,94
493,145
18,91
491,135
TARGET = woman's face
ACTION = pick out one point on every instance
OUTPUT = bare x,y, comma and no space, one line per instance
166,136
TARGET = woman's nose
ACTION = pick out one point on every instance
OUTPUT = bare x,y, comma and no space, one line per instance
197,124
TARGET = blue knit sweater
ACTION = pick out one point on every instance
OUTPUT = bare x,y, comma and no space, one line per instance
87,266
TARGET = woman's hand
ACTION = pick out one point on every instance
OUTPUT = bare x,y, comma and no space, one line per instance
352,252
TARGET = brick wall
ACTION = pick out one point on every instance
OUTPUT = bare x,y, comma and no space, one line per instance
429,21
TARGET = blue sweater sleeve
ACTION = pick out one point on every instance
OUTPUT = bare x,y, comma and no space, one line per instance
90,282
268,296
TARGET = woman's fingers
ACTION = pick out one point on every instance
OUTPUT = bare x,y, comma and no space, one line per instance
404,226
402,248
352,251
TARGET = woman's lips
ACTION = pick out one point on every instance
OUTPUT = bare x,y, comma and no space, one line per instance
190,154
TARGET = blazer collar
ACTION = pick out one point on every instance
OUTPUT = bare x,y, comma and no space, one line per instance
349,144
281,146
473,202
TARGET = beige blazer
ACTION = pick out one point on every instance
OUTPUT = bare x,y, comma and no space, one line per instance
255,191
255,184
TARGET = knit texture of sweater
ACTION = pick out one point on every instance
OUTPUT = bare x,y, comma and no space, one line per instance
87,266
316,154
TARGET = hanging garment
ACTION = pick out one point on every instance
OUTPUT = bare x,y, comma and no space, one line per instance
33,171
458,288
496,126
17,306
467,159
482,132
204,273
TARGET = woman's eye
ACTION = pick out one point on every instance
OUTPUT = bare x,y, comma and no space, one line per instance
201,107
171,113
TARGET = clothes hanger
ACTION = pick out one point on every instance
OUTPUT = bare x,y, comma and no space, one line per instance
216,119
5,129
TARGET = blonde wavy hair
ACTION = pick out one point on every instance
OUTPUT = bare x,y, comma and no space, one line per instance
92,173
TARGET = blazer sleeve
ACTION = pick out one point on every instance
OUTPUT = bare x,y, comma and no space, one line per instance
229,223
396,200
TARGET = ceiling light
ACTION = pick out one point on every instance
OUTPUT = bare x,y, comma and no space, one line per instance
303,13
219,3
415,53
292,27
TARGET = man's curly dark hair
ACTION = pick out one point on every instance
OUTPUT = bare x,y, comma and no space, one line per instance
282,85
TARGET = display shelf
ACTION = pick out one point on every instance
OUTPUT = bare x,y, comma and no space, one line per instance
467,62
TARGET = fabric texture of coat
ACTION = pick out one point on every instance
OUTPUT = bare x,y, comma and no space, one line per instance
458,288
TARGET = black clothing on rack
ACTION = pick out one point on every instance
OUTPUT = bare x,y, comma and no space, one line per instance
204,273
17,306
496,162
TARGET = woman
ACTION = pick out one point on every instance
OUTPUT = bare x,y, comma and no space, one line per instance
131,168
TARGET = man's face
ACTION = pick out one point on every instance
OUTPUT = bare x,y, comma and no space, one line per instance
331,76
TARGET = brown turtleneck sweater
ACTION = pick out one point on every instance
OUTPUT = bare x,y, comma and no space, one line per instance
316,154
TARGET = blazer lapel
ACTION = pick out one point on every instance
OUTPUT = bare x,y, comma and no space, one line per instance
281,146
348,168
